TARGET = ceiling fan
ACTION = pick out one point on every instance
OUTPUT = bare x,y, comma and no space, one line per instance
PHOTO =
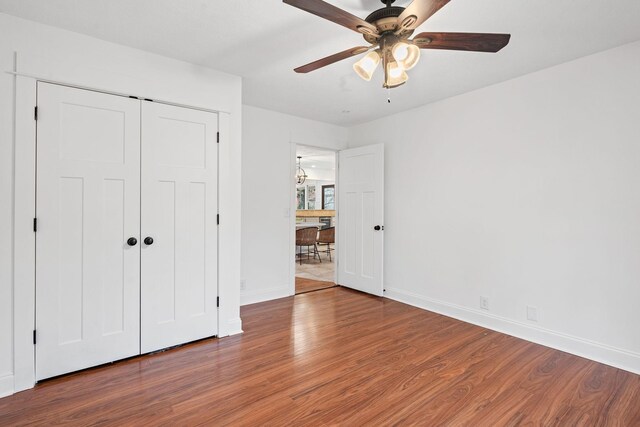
387,30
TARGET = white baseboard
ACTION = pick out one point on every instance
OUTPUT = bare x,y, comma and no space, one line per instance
616,357
234,326
252,297
6,385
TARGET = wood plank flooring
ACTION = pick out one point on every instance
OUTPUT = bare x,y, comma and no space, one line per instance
308,285
339,357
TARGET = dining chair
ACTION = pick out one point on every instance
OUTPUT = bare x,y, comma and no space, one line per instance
307,237
327,236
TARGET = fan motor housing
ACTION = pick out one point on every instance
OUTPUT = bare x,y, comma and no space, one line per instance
385,12
385,20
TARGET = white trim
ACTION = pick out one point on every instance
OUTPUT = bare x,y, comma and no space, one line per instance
336,219
629,361
291,287
24,237
252,297
228,230
234,327
109,92
6,385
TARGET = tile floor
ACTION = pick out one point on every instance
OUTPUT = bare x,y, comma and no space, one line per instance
313,269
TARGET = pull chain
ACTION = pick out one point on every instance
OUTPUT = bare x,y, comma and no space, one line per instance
388,95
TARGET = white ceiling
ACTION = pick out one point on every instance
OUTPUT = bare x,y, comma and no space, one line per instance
316,158
263,40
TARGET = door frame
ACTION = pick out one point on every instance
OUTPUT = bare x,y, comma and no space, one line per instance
292,212
24,199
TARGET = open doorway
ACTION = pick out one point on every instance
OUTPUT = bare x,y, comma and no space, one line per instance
315,225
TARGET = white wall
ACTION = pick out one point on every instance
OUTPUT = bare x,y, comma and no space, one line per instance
69,57
268,156
525,192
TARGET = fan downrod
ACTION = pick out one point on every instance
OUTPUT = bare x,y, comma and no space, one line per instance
388,3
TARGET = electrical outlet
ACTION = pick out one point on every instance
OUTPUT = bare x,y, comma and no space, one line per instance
484,303
532,313
243,284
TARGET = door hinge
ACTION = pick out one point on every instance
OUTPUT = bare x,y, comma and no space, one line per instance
34,337
218,137
35,224
35,113
217,301
218,219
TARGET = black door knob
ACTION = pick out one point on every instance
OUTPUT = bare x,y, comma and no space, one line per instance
148,240
132,241
377,228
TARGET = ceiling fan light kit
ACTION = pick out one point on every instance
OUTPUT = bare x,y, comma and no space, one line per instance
406,54
395,75
367,65
388,30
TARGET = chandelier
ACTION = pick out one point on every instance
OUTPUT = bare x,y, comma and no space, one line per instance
301,175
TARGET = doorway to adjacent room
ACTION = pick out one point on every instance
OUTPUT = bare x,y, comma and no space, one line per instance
315,225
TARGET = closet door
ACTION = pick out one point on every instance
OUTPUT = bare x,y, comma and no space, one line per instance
179,227
88,207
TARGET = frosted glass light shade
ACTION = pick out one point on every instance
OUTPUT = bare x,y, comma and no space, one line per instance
395,75
367,65
406,54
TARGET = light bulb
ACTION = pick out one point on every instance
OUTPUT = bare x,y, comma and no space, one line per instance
406,54
367,65
400,51
396,71
396,75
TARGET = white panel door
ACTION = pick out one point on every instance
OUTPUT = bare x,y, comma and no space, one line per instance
360,221
88,206
179,207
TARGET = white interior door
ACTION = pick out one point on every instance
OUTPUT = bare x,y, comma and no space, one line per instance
360,221
179,208
88,198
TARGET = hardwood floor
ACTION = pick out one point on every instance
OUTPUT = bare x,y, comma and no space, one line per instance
339,357
307,285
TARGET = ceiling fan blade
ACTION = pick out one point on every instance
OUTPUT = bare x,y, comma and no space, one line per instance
418,12
475,42
331,59
334,14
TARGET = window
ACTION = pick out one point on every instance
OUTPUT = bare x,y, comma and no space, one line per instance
329,197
